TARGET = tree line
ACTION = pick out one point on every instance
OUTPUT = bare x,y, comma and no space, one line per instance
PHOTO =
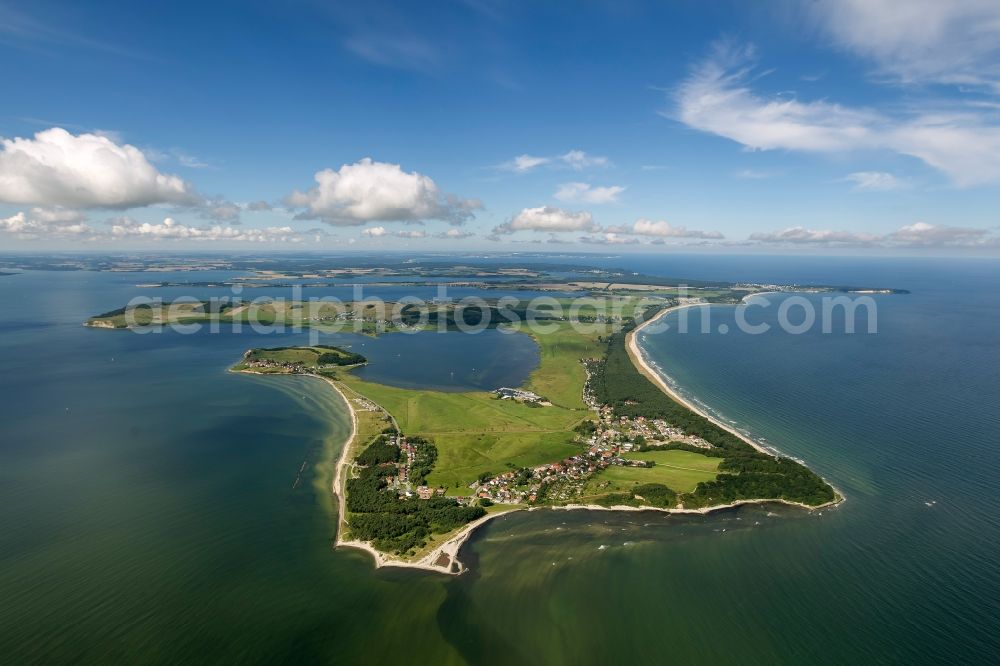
745,472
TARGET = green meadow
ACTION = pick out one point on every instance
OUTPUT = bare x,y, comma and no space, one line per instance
475,432
681,471
310,358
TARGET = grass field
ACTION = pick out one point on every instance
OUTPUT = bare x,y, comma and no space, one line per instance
680,471
304,355
560,375
476,433
370,425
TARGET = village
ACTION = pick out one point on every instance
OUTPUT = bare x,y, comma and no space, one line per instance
606,441
350,315
290,367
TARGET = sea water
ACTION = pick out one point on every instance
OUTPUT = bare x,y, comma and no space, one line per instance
155,508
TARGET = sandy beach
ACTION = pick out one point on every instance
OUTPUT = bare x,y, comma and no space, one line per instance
432,561
640,362
701,511
442,559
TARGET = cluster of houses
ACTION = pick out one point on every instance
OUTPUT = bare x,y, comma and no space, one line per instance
607,444
347,315
759,286
506,393
611,439
292,367
426,492
627,430
366,405
360,318
526,487
400,482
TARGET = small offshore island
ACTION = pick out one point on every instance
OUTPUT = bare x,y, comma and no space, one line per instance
593,427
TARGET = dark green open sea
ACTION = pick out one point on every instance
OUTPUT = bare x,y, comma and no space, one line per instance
156,509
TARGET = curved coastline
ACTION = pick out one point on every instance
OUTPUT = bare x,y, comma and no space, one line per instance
454,543
428,562
639,360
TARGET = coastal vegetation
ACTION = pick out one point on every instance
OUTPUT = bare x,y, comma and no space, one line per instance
317,359
638,495
745,473
390,522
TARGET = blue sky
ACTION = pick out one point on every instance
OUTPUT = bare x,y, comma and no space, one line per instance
856,126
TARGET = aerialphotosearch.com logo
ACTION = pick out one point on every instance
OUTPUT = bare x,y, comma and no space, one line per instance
795,314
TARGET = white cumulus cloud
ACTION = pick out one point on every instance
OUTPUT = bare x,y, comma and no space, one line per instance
916,235
370,191
455,234
548,218
662,229
57,216
56,168
802,235
923,234
42,223
609,238
374,232
586,193
170,229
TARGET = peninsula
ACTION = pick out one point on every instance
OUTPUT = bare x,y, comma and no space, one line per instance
593,427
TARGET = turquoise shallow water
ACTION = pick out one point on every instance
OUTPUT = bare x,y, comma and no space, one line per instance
152,507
